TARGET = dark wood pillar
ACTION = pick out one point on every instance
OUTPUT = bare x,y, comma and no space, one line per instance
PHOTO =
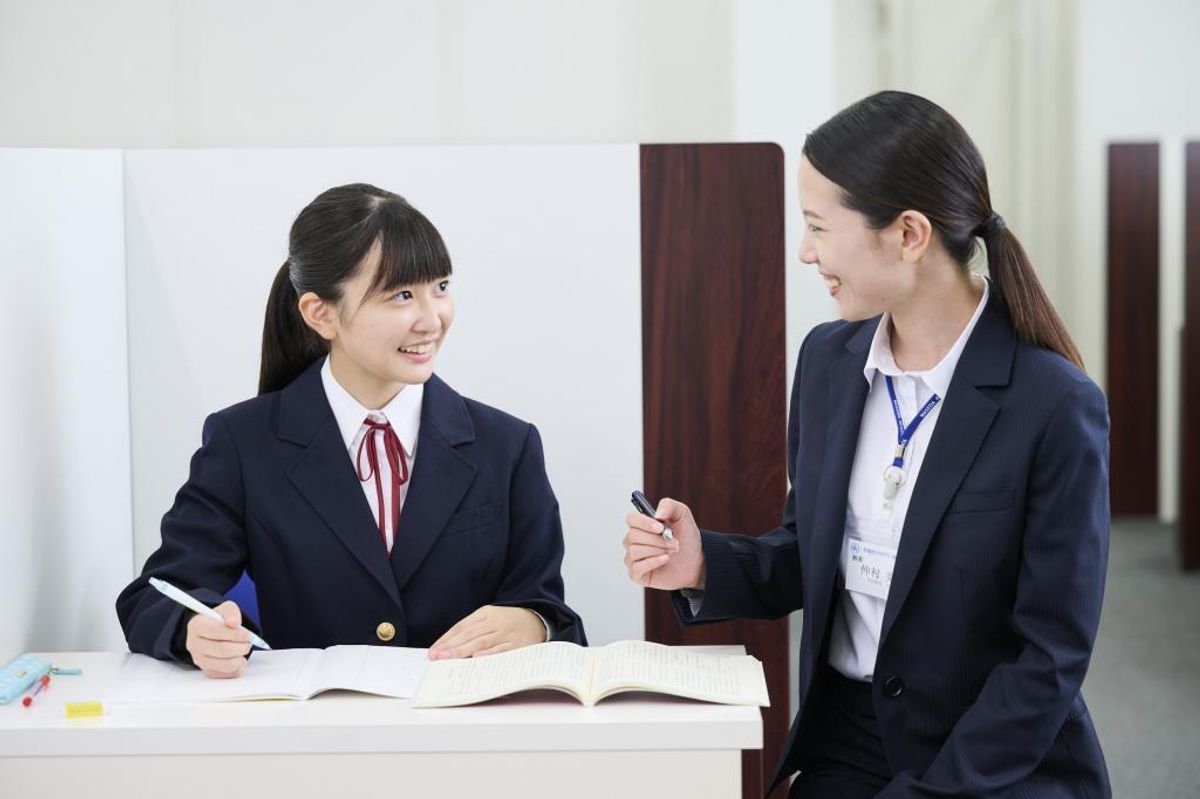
1133,344
1189,408
714,373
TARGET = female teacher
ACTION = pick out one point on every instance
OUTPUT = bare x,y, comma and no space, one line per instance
370,502
946,529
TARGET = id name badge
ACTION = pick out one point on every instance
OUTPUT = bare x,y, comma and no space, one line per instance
869,567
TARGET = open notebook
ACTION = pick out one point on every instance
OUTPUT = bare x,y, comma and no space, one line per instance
278,674
590,675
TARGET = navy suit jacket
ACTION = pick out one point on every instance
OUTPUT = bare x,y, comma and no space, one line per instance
273,490
996,594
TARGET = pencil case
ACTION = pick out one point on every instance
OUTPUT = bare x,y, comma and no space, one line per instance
20,673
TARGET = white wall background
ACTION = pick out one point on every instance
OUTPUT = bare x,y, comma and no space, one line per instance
1147,92
223,73
546,246
64,411
271,73
159,73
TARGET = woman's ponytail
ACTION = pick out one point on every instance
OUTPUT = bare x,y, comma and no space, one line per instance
1012,274
289,345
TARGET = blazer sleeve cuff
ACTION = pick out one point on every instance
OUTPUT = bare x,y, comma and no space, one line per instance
562,624
714,602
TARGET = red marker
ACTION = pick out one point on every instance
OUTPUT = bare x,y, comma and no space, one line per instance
37,689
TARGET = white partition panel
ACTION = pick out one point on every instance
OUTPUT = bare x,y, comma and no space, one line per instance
546,249
65,524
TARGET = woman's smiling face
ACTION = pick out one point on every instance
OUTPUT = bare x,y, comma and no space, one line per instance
862,267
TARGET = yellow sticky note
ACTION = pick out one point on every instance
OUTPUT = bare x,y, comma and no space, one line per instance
83,710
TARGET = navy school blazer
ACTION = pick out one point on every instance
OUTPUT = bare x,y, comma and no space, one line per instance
272,490
995,599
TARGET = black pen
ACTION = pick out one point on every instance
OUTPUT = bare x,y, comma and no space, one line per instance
646,509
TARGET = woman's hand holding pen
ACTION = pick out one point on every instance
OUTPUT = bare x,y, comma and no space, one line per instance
491,629
653,561
219,648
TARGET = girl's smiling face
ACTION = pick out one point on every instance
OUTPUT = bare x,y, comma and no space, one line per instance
381,341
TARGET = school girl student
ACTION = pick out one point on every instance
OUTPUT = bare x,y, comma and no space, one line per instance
368,500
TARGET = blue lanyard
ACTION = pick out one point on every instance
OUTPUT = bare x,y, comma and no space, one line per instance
905,434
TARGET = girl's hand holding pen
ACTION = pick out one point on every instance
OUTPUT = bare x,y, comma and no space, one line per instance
654,562
219,648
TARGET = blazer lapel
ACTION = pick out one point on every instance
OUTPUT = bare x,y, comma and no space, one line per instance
847,396
440,478
966,416
325,477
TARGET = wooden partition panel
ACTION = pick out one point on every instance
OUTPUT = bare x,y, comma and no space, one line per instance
1189,467
1133,346
714,372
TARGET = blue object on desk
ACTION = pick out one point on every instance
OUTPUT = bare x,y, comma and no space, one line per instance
245,596
19,674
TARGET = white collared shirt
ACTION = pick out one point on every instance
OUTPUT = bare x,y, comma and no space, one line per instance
858,617
404,414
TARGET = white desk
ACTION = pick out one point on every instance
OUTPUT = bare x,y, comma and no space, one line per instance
342,744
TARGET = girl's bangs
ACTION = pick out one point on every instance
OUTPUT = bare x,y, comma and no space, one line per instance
411,252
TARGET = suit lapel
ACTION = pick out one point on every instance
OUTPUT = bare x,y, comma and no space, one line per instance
442,473
324,475
966,416
847,396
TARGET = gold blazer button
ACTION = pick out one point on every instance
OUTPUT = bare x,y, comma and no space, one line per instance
385,631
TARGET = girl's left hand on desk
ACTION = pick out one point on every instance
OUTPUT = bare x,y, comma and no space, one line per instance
489,630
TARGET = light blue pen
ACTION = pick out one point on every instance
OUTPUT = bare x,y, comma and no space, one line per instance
196,606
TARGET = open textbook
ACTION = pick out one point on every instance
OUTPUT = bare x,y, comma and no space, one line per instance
590,675
278,674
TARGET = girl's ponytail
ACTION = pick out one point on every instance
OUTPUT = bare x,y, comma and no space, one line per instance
289,346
